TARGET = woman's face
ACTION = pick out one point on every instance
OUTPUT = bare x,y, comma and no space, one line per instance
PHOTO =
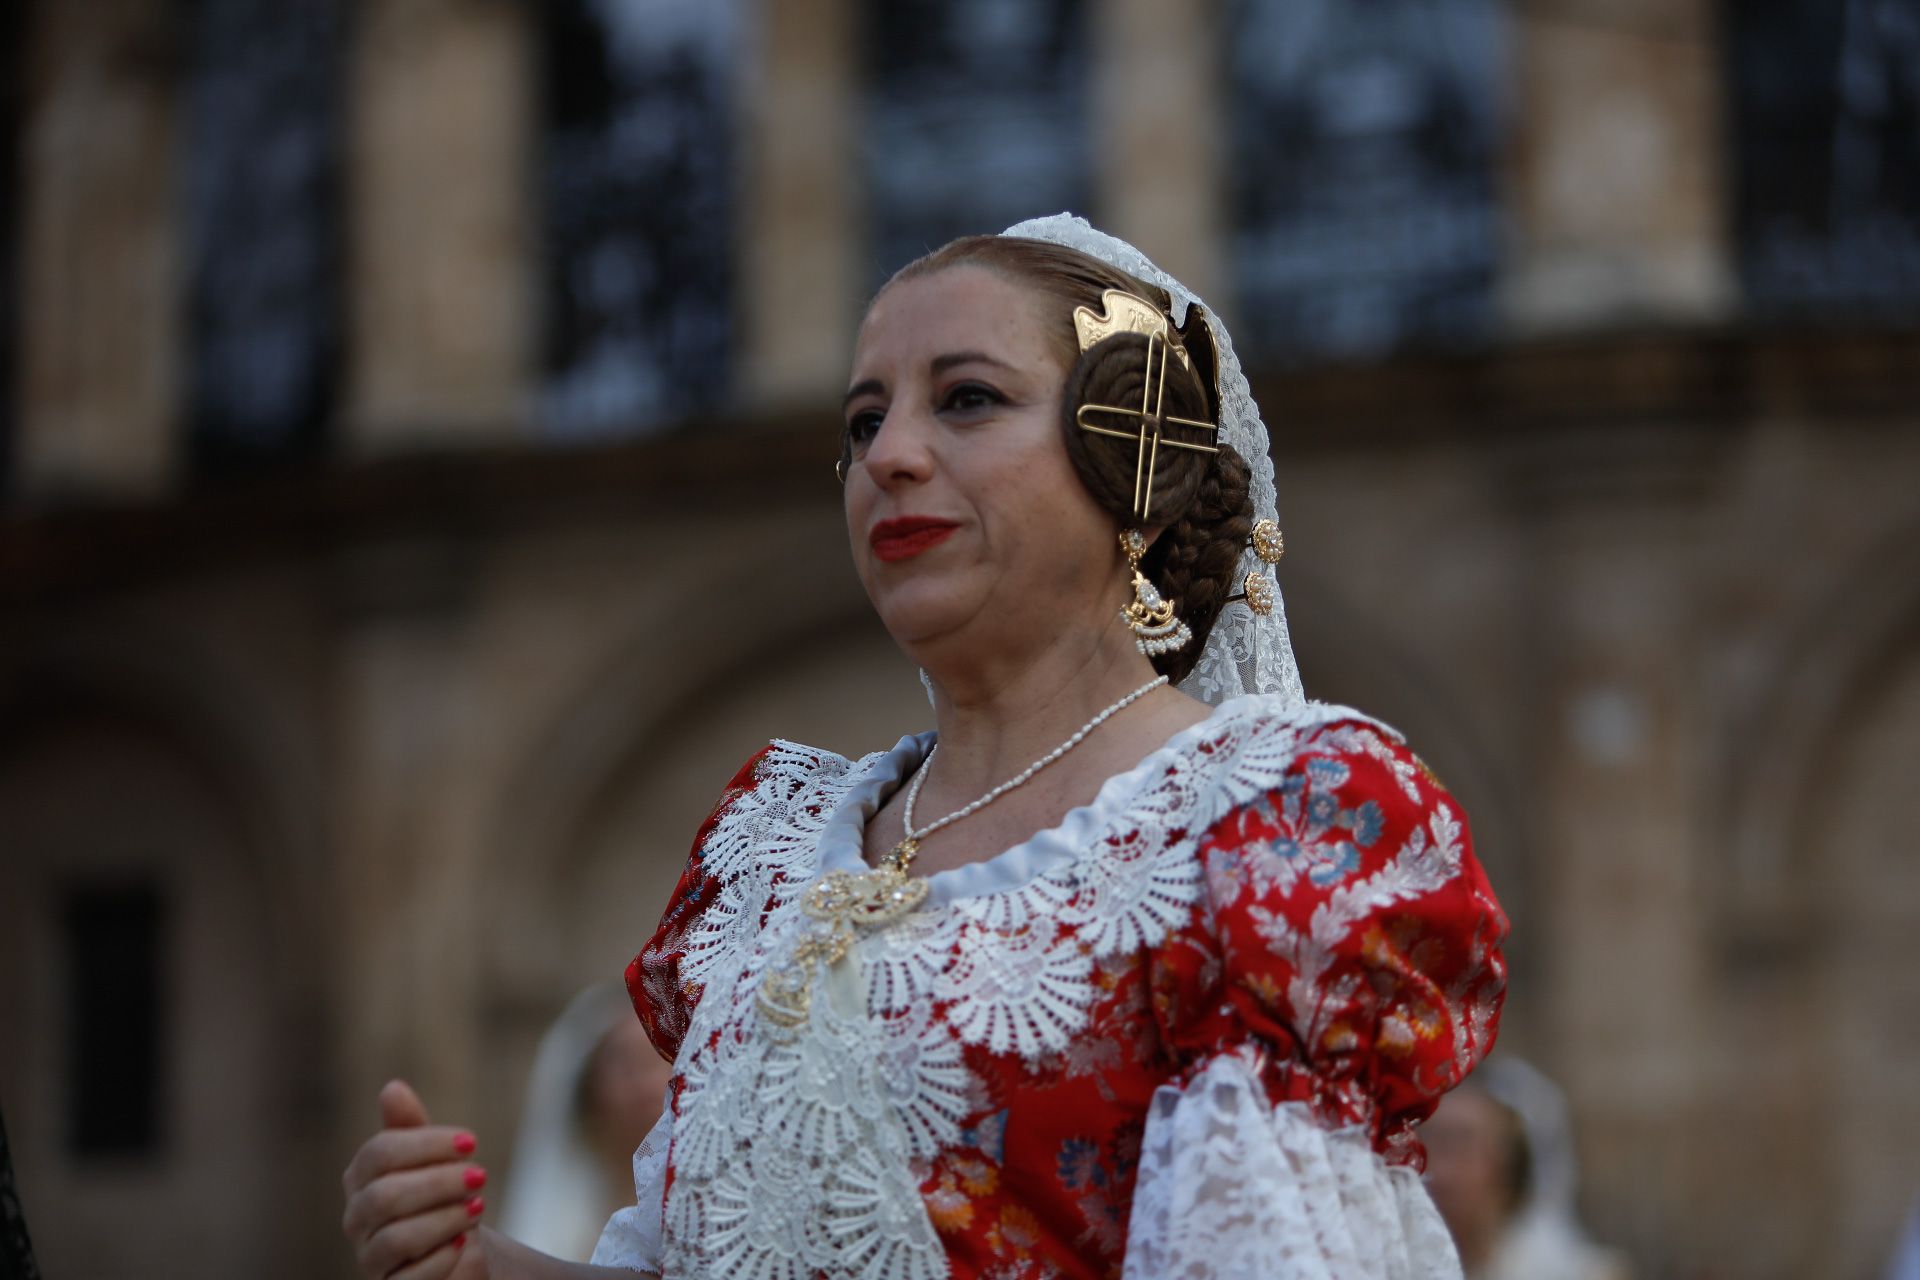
967,520
1470,1140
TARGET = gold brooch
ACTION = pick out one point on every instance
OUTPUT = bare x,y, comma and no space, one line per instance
839,904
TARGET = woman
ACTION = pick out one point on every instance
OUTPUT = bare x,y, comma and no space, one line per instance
1502,1173
1152,966
595,1091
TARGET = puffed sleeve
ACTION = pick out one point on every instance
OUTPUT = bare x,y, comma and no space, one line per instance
662,994
1350,976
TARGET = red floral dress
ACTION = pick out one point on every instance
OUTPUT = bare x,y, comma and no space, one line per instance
1191,1031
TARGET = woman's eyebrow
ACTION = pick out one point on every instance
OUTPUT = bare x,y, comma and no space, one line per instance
939,364
943,363
871,386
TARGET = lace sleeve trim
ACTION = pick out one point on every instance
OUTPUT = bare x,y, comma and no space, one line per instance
632,1237
1231,1186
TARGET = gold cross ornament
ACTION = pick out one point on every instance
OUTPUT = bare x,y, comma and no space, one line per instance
1125,313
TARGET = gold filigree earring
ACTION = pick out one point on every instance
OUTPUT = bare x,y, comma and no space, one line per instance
1150,617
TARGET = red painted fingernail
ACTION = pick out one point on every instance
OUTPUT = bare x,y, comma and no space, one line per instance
460,1240
464,1144
475,1207
476,1178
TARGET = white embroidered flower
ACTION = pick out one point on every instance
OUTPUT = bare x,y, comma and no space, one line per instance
1024,992
1134,896
922,1074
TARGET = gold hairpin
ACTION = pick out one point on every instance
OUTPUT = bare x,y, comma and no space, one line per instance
1257,592
1269,545
1268,542
1125,313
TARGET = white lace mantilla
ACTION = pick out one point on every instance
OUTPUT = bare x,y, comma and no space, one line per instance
800,1150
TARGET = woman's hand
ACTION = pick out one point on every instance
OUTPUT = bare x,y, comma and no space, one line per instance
412,1206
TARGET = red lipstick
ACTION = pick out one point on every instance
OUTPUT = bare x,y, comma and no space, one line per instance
907,536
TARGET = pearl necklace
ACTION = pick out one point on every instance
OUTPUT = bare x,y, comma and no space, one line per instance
901,855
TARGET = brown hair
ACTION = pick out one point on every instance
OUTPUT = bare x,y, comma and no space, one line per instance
1201,498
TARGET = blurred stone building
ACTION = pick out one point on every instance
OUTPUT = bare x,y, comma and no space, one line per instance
416,428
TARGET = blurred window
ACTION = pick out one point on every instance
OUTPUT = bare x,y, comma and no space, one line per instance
263,196
976,116
1827,123
637,171
114,972
1360,176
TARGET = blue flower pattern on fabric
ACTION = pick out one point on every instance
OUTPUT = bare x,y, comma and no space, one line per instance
1314,834
989,1137
1080,1166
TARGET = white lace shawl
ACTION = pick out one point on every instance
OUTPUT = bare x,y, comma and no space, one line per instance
795,1152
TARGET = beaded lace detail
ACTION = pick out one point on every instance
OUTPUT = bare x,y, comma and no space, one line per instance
796,1148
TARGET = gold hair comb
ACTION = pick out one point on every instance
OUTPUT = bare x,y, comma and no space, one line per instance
1125,313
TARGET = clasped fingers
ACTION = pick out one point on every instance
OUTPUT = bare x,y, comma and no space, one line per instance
394,1149
408,1193
410,1239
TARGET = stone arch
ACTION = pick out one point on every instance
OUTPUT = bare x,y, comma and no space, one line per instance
162,678
126,758
1863,622
1855,871
1815,889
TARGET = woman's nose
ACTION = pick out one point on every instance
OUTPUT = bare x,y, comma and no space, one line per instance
902,449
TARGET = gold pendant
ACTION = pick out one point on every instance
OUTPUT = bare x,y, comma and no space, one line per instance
840,904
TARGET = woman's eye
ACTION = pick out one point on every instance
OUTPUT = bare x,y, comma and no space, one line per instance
863,426
971,395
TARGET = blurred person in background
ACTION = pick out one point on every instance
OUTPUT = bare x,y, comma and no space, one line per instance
1233,948
597,1087
1500,1167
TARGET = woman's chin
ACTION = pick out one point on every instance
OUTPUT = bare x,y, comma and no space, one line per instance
923,612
